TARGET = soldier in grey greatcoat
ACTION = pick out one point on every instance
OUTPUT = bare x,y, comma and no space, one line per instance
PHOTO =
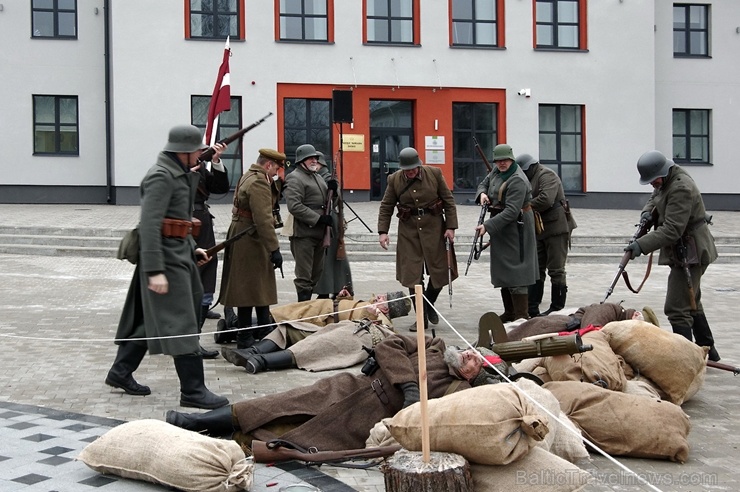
306,195
427,218
511,227
681,224
553,241
248,279
165,294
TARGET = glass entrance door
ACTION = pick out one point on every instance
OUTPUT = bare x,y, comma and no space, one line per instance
390,131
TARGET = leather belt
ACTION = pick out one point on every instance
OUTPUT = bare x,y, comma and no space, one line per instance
241,212
420,211
180,229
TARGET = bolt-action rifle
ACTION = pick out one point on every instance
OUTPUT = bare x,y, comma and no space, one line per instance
278,450
478,246
643,227
207,154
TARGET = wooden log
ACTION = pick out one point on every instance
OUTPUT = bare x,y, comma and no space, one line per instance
406,471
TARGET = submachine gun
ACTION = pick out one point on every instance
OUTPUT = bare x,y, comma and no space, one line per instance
646,222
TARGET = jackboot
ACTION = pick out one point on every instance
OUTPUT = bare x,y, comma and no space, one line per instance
244,338
239,357
304,295
412,328
521,302
684,331
120,375
558,294
431,294
703,335
193,391
282,359
264,319
219,422
207,354
228,322
508,314
535,292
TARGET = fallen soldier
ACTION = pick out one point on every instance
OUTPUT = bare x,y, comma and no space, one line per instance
338,412
332,334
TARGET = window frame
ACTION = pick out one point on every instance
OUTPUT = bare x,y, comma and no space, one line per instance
58,126
240,23
329,24
687,30
582,26
558,163
415,29
56,11
473,157
498,22
688,136
232,158
310,128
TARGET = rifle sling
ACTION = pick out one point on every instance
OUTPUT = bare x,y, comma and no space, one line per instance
647,274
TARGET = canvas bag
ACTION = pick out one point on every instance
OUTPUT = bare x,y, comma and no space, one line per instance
128,249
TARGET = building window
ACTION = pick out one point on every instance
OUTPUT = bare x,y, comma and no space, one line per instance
307,121
214,19
690,30
54,19
229,122
305,20
55,125
561,143
472,121
392,21
691,136
475,22
561,24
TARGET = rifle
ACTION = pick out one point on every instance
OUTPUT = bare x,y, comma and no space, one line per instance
215,249
327,209
207,154
489,168
682,254
725,367
642,228
477,248
278,450
448,247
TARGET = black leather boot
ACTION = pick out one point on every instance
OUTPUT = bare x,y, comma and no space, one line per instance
508,314
244,338
558,295
684,331
219,422
703,335
536,291
304,295
282,359
229,322
193,391
127,360
239,357
264,319
207,354
431,294
520,302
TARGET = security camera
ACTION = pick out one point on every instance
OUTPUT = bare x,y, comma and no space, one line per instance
522,92
525,92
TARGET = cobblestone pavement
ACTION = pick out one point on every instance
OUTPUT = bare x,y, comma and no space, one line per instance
60,313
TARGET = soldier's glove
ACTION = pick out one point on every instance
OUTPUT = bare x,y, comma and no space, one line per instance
634,248
325,220
646,216
277,259
410,393
333,185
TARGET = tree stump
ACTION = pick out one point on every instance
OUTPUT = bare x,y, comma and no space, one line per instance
406,471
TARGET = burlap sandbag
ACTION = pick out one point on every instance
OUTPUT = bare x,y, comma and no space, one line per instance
538,470
157,452
625,425
491,425
568,442
380,435
641,387
669,360
598,365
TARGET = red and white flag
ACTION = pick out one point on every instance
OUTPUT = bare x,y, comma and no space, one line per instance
221,98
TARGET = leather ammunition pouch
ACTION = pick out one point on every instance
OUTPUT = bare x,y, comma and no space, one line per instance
177,228
437,207
404,213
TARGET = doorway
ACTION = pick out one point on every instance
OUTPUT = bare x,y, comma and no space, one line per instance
391,129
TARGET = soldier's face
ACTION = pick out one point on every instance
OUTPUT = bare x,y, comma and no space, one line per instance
411,173
312,164
503,165
470,364
657,183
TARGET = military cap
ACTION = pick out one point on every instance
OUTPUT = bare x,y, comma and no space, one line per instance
273,155
649,315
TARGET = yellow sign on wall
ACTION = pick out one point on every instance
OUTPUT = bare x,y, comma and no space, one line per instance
353,143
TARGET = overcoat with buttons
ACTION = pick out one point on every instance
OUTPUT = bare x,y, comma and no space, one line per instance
548,197
305,194
420,241
167,191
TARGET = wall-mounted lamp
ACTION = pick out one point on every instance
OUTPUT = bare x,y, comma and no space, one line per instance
436,125
525,92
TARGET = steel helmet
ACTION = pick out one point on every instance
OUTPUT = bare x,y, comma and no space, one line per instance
184,139
321,158
304,152
653,165
408,158
525,161
502,151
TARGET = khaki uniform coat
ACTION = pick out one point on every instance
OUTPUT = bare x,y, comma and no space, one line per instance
167,191
420,242
338,412
508,268
248,277
548,198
